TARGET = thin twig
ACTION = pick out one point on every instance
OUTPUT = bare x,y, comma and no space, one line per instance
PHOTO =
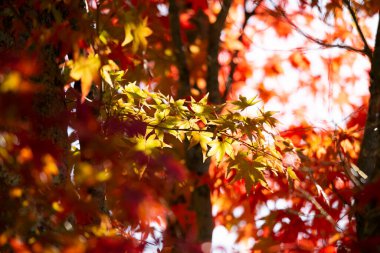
320,208
316,40
246,144
233,64
347,167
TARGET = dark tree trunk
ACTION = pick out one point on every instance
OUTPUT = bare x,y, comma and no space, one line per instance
47,116
200,201
368,211
44,112
49,104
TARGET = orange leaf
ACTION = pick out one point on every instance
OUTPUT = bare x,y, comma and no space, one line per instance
273,67
299,61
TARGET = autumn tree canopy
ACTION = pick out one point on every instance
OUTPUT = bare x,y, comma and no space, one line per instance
131,126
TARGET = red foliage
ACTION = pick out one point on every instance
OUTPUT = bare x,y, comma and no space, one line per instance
94,191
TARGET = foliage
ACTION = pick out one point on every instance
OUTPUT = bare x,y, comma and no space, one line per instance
139,85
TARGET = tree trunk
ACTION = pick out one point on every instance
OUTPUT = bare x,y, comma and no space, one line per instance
368,211
200,201
45,115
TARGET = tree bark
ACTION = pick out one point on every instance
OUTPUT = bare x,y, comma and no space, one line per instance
368,223
200,201
48,120
45,115
179,52
52,122
213,52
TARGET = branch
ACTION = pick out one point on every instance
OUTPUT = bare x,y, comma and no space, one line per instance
320,208
213,51
347,166
220,133
336,191
18,15
369,157
184,76
367,50
316,40
233,64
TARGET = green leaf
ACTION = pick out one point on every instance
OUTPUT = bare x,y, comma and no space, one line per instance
246,170
133,91
267,117
220,148
203,138
149,144
244,103
291,173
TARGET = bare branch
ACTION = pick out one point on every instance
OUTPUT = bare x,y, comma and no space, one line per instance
233,64
320,208
184,76
316,40
213,51
367,50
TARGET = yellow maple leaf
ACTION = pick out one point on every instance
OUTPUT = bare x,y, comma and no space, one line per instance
128,34
106,69
86,69
141,32
137,34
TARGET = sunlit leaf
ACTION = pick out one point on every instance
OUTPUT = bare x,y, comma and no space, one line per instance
220,148
291,173
137,34
244,103
202,138
86,69
128,34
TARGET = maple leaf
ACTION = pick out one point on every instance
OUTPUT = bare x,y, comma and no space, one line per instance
137,34
11,82
149,144
129,154
220,148
128,34
244,103
273,67
342,99
106,69
267,117
372,7
85,69
282,28
299,61
203,138
249,171
291,173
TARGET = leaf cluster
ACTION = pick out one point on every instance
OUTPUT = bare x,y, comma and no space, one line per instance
227,135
